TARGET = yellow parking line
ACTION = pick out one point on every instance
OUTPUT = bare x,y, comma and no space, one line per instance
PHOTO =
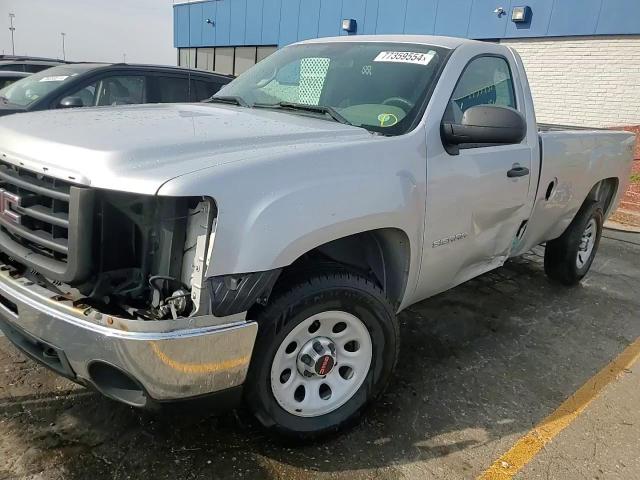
525,449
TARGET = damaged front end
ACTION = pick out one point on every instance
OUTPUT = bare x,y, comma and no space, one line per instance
134,256
109,289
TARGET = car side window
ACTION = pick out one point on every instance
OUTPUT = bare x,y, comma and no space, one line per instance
13,67
485,81
172,89
31,68
120,90
201,90
87,94
112,90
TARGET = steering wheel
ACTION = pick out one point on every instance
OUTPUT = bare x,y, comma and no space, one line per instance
399,102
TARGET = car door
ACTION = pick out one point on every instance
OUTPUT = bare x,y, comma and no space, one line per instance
474,210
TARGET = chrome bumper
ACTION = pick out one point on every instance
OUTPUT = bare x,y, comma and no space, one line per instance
164,360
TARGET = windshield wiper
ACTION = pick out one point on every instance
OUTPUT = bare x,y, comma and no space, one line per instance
229,99
330,111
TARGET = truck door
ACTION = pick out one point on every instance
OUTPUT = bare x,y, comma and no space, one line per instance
477,199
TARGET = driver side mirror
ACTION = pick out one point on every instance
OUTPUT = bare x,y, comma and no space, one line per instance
71,102
485,124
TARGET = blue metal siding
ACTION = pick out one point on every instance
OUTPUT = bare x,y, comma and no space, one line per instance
452,17
223,22
420,18
280,22
355,9
289,21
238,22
567,16
391,16
209,31
195,24
370,18
253,23
309,18
330,18
181,25
619,17
271,22
538,24
484,23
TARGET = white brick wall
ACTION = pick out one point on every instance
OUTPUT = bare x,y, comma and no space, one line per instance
588,81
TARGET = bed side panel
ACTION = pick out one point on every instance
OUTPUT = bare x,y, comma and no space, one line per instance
573,161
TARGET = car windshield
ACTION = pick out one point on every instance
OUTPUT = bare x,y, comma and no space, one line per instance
26,91
376,85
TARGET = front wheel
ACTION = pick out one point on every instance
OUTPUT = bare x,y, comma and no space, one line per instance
325,348
568,258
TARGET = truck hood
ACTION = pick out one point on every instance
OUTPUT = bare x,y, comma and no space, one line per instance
138,148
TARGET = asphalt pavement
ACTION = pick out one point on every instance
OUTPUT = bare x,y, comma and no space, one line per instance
481,365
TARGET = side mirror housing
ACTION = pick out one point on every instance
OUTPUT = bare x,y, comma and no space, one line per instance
71,102
486,124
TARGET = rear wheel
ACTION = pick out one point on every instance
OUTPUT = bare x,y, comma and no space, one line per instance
568,258
326,347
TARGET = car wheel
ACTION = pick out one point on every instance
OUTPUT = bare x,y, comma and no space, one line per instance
568,258
326,347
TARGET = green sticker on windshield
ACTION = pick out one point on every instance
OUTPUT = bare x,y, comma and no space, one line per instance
387,119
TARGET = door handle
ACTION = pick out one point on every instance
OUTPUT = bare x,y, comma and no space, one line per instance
518,171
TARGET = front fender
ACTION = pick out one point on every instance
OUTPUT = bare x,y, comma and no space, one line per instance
273,210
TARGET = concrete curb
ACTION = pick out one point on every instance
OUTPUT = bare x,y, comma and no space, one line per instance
620,227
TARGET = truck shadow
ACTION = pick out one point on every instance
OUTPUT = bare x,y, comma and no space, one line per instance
485,360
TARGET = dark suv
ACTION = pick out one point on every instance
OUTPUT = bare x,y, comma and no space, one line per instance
94,84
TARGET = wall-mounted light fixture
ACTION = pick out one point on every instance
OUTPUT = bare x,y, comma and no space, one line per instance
520,14
208,21
349,25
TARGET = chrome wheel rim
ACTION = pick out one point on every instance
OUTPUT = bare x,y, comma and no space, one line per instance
587,242
321,364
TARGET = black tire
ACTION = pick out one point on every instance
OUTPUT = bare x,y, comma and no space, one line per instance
345,291
560,254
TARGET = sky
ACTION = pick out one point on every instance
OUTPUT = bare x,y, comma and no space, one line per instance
96,30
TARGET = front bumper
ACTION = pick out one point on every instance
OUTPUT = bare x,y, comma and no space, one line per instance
137,362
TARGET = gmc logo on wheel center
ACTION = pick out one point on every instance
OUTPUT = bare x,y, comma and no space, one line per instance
7,200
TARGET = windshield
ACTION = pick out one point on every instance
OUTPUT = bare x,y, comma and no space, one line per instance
376,85
26,91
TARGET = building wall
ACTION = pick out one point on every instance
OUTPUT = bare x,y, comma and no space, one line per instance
587,81
280,22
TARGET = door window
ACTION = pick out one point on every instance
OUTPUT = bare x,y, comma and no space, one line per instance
172,89
115,90
201,90
12,67
31,68
121,90
485,81
87,94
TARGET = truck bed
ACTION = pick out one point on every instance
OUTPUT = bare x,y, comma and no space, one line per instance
573,160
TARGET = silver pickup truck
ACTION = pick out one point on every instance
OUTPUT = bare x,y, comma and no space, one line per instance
269,238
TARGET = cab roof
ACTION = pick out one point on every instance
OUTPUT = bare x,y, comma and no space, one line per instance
435,40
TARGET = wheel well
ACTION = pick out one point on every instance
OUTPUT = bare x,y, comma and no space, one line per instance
604,192
383,255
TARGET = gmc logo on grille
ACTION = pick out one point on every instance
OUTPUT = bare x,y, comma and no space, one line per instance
7,200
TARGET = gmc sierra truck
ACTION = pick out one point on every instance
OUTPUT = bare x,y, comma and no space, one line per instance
261,245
